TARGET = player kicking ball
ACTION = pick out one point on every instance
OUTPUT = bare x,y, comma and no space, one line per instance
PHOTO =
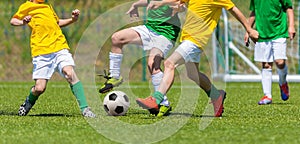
201,19
50,52
157,36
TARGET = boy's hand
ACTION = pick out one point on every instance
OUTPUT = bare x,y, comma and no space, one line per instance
179,7
253,35
292,32
75,15
246,39
154,5
27,19
133,13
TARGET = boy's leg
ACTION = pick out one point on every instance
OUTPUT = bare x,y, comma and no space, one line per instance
282,71
266,86
279,46
217,96
283,84
42,71
153,101
35,92
119,39
77,90
264,53
154,62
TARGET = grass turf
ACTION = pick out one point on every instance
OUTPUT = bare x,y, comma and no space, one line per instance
56,117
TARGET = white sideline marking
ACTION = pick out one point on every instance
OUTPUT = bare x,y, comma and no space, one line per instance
122,86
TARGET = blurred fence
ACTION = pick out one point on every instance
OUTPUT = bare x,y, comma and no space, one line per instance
14,44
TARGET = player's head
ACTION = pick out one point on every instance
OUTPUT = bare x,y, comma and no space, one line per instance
38,1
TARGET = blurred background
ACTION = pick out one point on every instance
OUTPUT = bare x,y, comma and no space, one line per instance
15,57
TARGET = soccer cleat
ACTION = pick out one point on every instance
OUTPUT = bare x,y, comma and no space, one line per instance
218,104
284,90
25,108
148,103
164,110
110,83
87,112
153,112
265,100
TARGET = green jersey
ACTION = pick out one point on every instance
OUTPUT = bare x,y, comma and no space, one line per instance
163,23
271,18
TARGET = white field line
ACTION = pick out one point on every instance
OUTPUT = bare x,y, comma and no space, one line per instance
123,86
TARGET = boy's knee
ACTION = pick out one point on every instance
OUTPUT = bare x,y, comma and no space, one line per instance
116,39
39,89
70,75
280,64
169,65
193,76
267,65
154,64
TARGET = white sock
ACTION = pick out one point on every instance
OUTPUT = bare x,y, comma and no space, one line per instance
267,82
156,79
115,61
282,73
165,102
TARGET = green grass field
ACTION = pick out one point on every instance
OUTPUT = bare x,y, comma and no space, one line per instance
56,118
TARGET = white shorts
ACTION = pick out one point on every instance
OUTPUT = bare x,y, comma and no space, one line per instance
189,51
45,65
151,39
270,51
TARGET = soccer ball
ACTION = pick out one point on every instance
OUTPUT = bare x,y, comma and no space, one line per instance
116,103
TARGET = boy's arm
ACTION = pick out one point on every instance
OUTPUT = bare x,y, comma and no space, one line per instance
251,23
291,29
140,3
18,22
133,10
242,19
157,4
65,22
180,7
252,19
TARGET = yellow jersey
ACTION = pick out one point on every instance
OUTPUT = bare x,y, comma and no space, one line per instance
46,35
201,19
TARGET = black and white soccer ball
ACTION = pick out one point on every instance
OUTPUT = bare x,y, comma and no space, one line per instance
116,103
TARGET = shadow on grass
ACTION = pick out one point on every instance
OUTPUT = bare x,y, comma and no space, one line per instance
178,114
51,115
280,103
191,115
8,113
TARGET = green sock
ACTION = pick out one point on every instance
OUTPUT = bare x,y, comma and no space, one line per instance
158,96
32,98
77,90
213,93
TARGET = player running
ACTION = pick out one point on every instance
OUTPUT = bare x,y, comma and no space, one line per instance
201,20
270,18
158,36
49,50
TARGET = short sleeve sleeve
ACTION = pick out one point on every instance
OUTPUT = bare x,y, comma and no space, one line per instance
22,12
252,6
185,1
286,4
228,4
